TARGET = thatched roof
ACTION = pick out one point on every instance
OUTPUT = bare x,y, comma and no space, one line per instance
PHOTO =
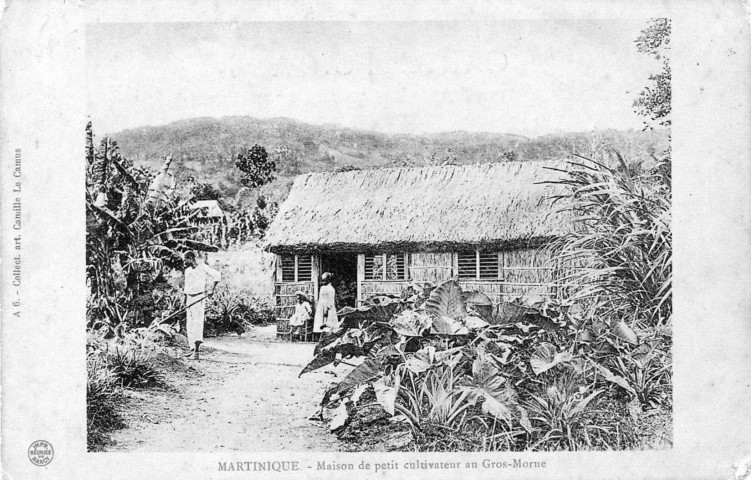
495,205
207,208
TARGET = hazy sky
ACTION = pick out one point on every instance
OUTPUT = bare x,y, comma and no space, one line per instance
525,77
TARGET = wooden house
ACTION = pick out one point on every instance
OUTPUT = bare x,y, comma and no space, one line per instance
380,230
211,219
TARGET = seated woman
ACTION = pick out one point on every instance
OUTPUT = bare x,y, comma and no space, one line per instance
303,312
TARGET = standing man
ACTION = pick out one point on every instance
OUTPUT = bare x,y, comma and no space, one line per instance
196,276
326,319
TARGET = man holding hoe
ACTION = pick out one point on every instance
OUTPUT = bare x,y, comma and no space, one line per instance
196,276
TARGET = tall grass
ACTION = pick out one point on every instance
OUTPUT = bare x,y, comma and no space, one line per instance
102,397
621,244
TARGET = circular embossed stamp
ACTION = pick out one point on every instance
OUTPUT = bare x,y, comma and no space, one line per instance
41,453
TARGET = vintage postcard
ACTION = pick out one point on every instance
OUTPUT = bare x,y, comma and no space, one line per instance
394,240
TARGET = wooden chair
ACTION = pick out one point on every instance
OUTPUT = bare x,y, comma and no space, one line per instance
305,332
283,329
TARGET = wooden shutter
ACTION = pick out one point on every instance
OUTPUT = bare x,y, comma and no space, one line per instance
288,268
467,263
488,263
304,268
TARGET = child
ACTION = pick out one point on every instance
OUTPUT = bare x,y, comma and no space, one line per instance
303,312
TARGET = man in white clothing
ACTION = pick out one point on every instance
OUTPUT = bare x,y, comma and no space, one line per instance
196,276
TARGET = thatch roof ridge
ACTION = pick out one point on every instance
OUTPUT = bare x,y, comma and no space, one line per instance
418,208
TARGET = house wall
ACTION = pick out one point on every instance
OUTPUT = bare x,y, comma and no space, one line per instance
284,292
521,271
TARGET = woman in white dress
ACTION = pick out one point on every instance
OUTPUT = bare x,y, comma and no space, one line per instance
326,319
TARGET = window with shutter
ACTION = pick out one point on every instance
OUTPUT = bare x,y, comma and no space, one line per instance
488,263
304,268
467,265
288,268
391,266
478,265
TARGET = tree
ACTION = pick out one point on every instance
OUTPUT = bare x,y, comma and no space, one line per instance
653,101
509,156
205,191
256,167
135,225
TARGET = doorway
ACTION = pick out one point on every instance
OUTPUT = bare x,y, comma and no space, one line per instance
343,267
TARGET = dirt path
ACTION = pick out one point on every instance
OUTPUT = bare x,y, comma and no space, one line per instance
243,394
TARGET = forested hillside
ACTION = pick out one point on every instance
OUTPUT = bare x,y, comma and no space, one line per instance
205,148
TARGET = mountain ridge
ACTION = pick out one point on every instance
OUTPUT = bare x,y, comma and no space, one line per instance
205,147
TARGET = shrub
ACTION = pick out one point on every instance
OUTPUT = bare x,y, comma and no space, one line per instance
622,240
560,410
101,402
132,368
230,310
223,313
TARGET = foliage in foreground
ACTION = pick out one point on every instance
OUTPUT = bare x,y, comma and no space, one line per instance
529,374
101,403
116,360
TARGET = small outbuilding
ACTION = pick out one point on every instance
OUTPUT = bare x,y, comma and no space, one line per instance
209,216
379,230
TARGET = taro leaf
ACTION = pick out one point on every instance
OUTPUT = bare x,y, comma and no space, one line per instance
368,346
474,323
583,403
545,357
506,351
509,338
580,365
340,417
347,350
421,360
496,408
448,326
488,385
411,323
502,403
617,379
546,323
507,312
328,394
447,301
358,393
480,303
526,327
328,355
383,300
486,375
327,338
386,394
321,360
624,332
366,371
537,302
477,298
